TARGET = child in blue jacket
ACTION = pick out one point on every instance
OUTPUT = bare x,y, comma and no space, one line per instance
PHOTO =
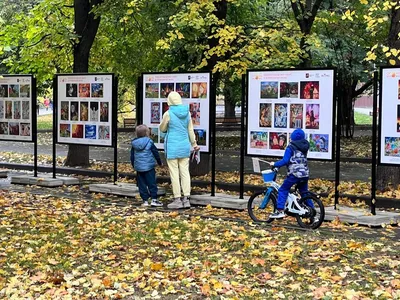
295,159
144,155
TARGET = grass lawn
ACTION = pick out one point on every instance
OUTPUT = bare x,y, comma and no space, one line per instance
45,122
362,119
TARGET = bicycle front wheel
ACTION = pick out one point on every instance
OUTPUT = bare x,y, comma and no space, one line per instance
316,212
261,205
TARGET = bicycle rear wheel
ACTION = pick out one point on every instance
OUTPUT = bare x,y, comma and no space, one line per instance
260,207
315,216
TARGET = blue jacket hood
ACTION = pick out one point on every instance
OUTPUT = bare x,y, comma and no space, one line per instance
301,145
140,143
181,111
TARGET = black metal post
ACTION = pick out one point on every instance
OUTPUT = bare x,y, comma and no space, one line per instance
374,140
34,127
242,138
213,104
55,109
115,126
338,133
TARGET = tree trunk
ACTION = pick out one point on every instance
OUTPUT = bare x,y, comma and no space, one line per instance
86,26
390,176
305,13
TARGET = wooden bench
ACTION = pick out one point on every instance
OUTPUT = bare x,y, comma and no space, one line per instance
129,122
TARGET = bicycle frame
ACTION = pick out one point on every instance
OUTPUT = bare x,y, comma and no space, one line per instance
292,205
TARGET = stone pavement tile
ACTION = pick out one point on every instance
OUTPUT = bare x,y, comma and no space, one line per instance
44,180
120,188
40,181
361,216
219,200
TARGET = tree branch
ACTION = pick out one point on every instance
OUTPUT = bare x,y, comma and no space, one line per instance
362,89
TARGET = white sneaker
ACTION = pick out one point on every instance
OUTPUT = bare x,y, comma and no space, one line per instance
186,202
176,204
156,203
278,214
145,203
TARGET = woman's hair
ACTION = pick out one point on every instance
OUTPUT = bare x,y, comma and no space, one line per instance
142,130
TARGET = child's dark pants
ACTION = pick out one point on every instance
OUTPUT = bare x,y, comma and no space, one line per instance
147,184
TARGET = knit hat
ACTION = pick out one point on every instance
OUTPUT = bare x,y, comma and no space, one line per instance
174,99
297,135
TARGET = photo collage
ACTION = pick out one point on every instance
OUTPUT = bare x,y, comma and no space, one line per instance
192,94
15,111
84,113
391,147
284,106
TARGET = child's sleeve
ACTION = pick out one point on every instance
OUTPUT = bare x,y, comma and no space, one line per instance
154,150
285,160
132,158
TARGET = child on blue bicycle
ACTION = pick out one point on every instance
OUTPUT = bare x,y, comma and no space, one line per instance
295,159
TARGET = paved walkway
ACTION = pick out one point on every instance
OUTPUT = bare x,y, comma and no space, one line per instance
225,160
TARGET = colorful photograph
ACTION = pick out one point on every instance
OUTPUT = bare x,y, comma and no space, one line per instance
3,91
398,90
153,134
183,89
166,88
162,136
152,90
97,90
64,110
13,128
84,90
25,110
4,128
8,110
194,109
312,116
278,140
155,113
259,139
65,130
398,118
13,90
280,115
319,142
265,115
392,146
17,110
289,90
269,90
77,131
84,111
25,90
2,109
104,111
296,115
71,90
309,89
201,137
104,132
199,90
74,111
94,111
25,129
90,132
165,107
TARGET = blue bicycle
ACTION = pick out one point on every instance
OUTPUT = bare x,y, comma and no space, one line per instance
308,210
